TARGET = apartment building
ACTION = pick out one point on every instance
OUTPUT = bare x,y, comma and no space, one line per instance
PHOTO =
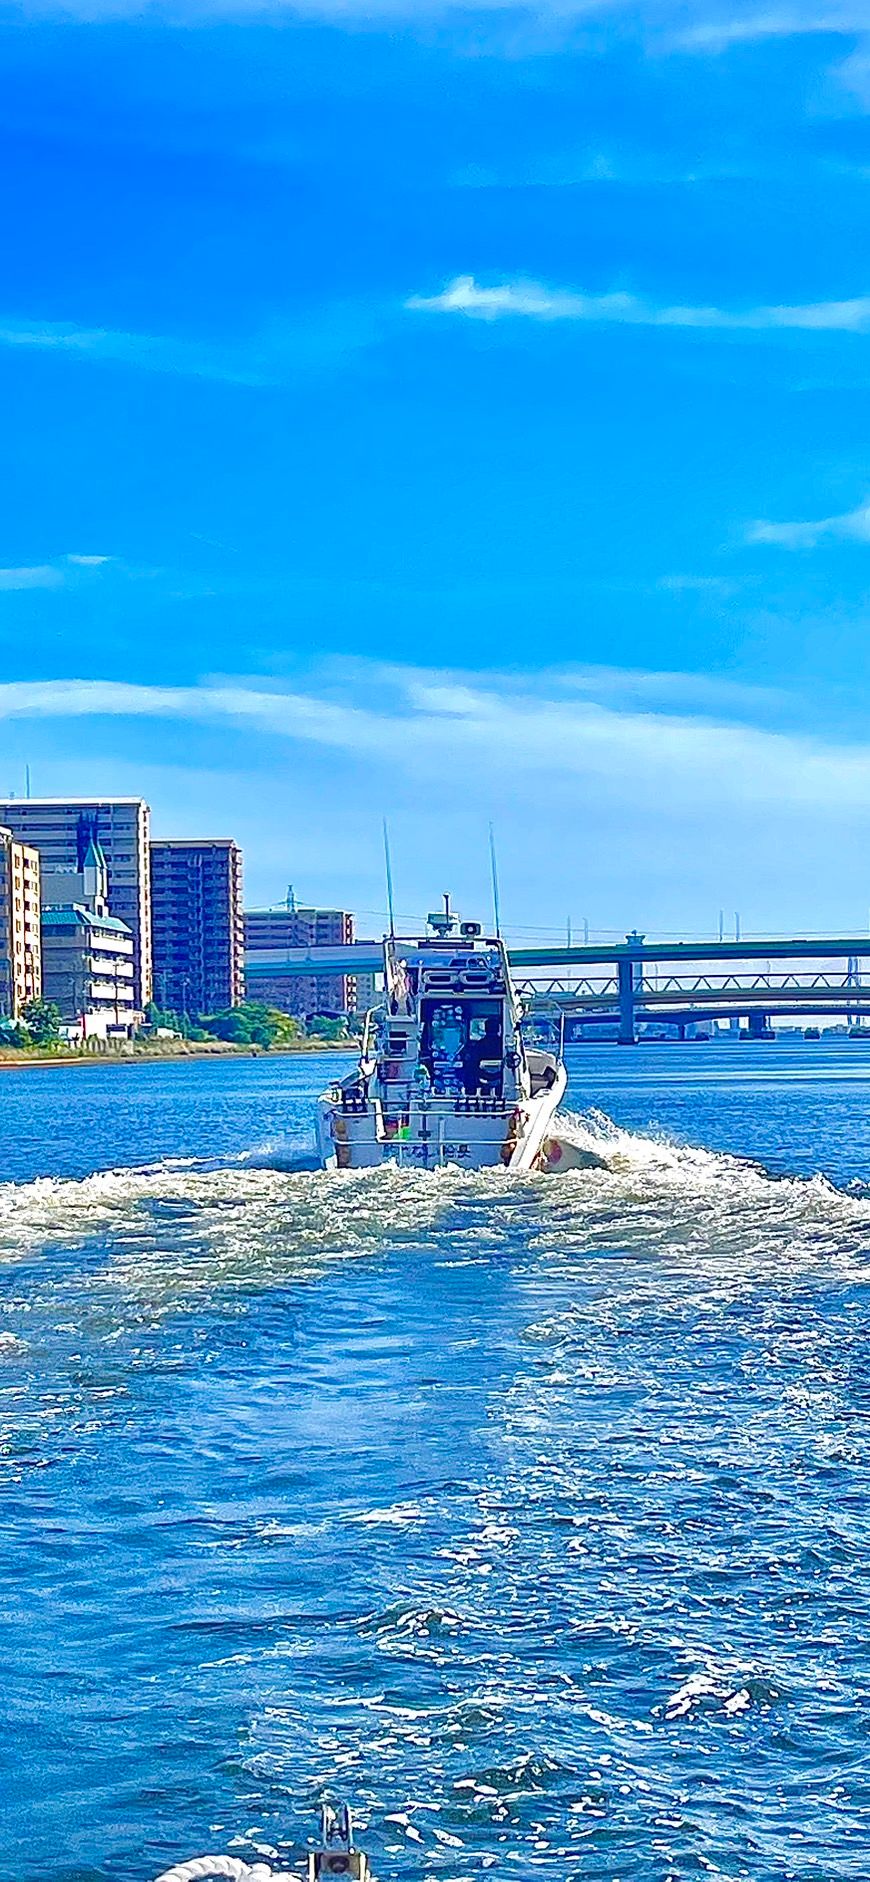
20,940
87,953
197,929
269,932
88,969
61,829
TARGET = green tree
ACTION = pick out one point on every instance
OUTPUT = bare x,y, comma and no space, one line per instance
252,1024
324,1026
42,1019
157,1016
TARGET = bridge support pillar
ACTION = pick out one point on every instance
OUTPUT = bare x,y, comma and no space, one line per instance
759,1026
626,971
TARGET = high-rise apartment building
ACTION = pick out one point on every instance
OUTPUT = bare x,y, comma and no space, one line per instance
269,932
20,946
61,829
197,925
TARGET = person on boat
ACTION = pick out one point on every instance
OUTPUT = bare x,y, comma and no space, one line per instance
400,1000
476,1053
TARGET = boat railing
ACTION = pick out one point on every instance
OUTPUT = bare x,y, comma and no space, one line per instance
355,1101
406,1100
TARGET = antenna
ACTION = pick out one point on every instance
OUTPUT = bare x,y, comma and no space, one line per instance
27,780
493,866
389,874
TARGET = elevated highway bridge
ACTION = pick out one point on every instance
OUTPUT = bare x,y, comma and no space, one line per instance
639,982
636,982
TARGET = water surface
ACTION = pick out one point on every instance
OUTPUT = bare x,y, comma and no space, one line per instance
530,1514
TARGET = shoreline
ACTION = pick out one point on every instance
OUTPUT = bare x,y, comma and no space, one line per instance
29,1059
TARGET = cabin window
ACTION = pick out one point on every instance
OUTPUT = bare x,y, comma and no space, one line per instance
462,1045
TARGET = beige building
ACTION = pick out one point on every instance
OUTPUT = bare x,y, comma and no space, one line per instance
270,932
61,829
20,947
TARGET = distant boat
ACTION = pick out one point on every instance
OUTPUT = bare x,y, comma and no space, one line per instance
445,1074
812,1032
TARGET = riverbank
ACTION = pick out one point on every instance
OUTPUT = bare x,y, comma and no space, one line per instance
158,1051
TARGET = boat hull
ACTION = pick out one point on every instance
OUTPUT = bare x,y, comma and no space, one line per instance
432,1133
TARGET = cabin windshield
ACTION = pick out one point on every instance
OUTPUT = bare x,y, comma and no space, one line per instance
462,1045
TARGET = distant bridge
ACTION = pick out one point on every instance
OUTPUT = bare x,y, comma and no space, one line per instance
636,982
354,957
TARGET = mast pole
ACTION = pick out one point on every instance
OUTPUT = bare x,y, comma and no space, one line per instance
388,867
493,865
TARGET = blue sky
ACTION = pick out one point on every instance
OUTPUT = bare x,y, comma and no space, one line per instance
454,413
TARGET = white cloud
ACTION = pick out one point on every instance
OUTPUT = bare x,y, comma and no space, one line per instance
719,25
44,575
343,12
693,27
854,526
49,574
276,355
696,585
531,300
450,730
729,28
151,352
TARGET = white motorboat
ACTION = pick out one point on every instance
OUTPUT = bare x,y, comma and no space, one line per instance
444,1075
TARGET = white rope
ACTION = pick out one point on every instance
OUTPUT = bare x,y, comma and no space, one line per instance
231,1867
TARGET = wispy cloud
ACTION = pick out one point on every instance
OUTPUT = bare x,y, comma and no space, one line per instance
276,355
49,574
42,575
151,352
717,25
731,27
853,526
716,585
535,25
350,12
448,728
530,300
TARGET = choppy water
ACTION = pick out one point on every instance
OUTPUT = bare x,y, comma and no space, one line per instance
530,1514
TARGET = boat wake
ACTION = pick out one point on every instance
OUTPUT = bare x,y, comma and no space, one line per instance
272,1214
501,1502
